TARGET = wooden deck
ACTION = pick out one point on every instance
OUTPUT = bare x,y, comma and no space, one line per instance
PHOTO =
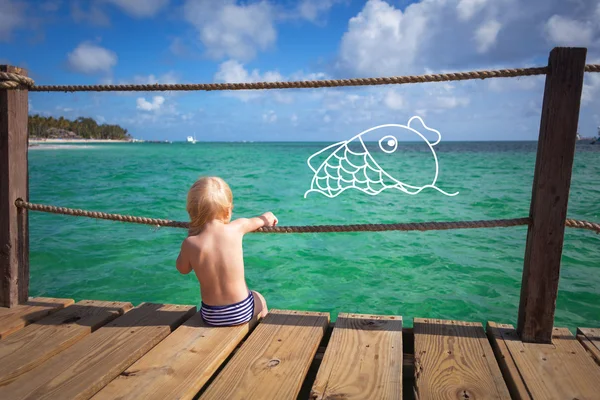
58,349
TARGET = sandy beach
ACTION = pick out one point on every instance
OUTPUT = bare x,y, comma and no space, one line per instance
55,141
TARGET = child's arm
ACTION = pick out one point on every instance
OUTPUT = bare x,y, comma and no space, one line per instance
183,264
251,224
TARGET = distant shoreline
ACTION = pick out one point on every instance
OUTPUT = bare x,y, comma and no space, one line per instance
54,141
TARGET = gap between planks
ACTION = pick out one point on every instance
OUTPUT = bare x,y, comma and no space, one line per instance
16,318
37,342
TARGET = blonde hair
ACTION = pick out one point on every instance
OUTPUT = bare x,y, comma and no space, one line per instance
209,198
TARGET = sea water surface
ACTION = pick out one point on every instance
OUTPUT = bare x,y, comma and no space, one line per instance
472,275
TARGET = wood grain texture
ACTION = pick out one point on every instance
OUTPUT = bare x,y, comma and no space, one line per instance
14,184
180,365
363,359
453,360
550,193
509,369
560,370
13,319
31,346
590,339
90,364
274,360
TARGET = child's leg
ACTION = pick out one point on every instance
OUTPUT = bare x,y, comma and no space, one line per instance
260,305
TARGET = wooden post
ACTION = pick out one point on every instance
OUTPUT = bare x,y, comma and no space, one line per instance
14,184
551,182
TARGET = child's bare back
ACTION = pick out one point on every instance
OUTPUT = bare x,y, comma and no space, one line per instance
213,250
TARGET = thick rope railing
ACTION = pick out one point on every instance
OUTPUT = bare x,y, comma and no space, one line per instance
9,80
15,81
409,226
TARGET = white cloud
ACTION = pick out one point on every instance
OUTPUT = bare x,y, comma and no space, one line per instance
365,107
394,100
140,9
383,40
313,10
100,119
169,77
12,17
89,58
311,76
514,84
386,39
486,34
591,86
564,31
233,71
294,119
230,30
145,105
269,117
327,119
158,111
468,8
449,102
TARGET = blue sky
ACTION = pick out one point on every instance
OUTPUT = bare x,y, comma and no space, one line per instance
194,41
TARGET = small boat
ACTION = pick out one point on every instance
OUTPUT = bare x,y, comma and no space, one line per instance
191,139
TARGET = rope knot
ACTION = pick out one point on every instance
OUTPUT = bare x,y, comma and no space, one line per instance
11,80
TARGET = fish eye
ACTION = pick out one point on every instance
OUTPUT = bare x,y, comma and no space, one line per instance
388,144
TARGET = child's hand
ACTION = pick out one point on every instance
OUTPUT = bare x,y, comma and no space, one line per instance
271,219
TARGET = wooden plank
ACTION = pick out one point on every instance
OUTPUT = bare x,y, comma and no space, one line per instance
274,360
453,360
590,339
559,370
31,346
180,365
363,359
15,318
87,366
550,193
509,369
14,184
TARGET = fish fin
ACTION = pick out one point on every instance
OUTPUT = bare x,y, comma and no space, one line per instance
313,165
332,171
377,187
321,181
373,175
418,125
333,183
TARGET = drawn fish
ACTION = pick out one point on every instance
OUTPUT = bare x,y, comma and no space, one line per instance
350,165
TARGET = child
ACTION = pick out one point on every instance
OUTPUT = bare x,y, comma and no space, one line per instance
213,249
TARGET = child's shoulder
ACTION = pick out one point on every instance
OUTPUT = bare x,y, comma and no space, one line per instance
192,241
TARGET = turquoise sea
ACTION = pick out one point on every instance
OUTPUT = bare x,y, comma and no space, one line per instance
470,275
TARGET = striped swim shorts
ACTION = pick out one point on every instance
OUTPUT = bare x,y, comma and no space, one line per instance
233,314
